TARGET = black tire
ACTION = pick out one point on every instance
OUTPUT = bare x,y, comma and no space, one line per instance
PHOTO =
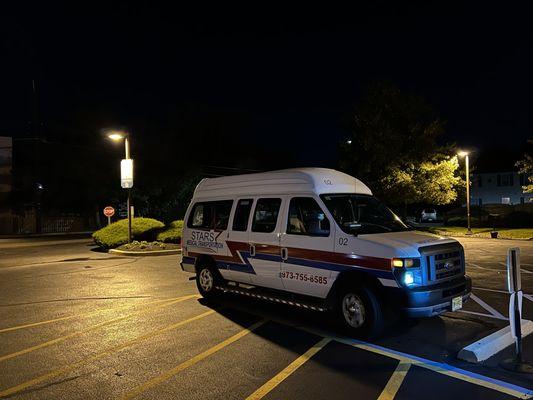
359,312
207,280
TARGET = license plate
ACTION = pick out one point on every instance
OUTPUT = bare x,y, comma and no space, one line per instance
457,303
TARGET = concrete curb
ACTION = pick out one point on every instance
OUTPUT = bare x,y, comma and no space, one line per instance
492,344
478,236
145,253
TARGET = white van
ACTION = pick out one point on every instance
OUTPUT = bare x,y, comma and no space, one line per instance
318,239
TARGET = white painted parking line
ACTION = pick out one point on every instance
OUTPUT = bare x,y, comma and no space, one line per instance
483,315
491,310
526,295
469,264
525,271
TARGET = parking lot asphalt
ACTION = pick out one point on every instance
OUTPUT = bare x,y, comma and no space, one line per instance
79,324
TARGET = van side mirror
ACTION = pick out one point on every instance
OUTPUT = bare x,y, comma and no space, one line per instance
352,227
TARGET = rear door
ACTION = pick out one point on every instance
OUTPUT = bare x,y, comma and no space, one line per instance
307,244
264,241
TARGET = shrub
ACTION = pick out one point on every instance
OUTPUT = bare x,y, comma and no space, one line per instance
172,233
116,234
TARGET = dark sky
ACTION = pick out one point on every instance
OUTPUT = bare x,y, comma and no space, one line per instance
295,74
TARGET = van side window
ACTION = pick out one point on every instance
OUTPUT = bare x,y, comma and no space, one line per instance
210,215
306,218
266,215
242,215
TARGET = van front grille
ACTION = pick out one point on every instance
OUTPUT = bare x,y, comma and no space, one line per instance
443,262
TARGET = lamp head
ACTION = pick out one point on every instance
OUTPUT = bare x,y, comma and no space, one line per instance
462,153
116,135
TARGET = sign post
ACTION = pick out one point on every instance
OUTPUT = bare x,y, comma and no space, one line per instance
109,212
514,286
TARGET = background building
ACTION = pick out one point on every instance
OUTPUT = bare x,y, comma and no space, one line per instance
499,188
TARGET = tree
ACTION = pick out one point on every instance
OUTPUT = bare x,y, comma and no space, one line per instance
526,167
432,182
393,148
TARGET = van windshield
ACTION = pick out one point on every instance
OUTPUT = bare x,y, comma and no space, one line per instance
362,214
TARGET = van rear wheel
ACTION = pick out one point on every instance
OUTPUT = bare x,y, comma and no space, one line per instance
359,312
207,279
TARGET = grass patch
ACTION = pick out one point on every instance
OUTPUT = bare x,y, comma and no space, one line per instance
116,234
172,233
504,233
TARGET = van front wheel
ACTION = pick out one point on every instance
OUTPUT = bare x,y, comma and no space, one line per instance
359,312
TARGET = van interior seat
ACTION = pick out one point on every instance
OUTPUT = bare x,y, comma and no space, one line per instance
297,226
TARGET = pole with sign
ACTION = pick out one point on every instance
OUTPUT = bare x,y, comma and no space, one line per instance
126,180
126,171
109,212
514,286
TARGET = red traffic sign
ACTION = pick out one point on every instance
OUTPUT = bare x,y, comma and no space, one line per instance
109,211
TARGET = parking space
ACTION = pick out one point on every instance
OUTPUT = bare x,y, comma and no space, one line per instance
138,330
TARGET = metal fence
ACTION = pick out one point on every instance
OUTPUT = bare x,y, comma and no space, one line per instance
28,223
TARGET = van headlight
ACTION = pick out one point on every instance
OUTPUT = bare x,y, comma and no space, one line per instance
407,271
408,278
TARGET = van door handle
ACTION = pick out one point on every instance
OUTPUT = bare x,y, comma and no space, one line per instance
252,250
284,253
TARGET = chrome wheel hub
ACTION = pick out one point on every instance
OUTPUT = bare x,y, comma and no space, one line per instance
353,310
206,280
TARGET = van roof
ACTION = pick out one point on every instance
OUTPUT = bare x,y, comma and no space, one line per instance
297,180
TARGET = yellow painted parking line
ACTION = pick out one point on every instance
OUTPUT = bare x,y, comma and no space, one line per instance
92,328
97,356
190,362
285,373
87,314
395,381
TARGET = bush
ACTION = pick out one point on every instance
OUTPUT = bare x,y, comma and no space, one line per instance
172,233
116,234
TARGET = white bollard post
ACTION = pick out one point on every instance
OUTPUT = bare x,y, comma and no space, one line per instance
514,286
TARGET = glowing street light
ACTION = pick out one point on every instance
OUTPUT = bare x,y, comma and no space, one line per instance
465,155
126,170
116,136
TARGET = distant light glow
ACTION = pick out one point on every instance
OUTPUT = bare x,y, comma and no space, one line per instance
116,136
348,141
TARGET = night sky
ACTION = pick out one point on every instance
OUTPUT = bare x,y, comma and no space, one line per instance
293,74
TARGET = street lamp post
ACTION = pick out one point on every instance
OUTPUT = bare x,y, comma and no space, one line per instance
465,155
117,136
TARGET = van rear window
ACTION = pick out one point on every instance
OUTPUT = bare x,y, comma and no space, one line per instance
210,215
266,215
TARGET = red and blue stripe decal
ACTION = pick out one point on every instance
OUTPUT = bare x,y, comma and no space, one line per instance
240,259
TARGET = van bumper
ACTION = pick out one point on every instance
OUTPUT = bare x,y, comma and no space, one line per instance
188,264
433,300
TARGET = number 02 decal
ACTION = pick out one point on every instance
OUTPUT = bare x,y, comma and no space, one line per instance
343,241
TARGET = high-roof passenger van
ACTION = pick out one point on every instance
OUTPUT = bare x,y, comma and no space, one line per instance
317,238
